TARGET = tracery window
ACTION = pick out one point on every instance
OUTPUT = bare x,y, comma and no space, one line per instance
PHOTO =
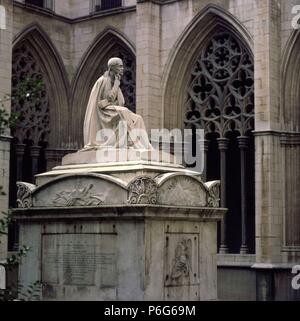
33,123
220,100
30,135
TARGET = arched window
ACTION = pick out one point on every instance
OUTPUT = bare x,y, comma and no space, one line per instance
220,100
32,128
290,142
30,135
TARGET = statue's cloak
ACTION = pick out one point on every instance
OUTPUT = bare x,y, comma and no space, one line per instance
105,110
101,115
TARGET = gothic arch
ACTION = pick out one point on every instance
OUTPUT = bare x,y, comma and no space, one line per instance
209,84
181,59
55,77
43,122
290,74
290,113
108,43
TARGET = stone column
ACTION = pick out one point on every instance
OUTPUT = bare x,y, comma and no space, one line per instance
223,147
243,146
206,145
20,150
268,156
6,37
268,163
34,153
148,82
4,184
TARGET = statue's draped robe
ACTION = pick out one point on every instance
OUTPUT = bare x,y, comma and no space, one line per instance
104,111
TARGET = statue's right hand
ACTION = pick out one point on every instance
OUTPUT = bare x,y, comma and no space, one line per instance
117,78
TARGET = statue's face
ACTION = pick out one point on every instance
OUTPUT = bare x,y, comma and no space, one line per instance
118,69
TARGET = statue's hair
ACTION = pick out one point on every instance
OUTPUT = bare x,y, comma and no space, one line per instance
114,61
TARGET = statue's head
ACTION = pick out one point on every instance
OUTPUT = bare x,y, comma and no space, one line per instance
115,65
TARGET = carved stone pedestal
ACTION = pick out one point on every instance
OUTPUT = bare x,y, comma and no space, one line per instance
127,232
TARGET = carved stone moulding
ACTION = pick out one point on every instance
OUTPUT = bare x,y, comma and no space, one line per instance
93,190
142,190
24,194
214,193
182,190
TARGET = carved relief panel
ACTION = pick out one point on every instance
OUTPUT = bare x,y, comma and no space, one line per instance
182,259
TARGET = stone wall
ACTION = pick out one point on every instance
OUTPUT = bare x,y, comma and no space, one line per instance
57,30
5,89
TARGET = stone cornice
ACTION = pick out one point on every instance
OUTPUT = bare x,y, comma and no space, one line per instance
275,133
123,212
273,266
5,138
290,139
286,138
95,15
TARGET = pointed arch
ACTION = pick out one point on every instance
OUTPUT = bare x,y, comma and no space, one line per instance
290,73
208,83
290,114
184,53
93,64
54,74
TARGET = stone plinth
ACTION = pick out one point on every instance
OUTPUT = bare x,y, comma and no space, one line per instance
110,155
123,232
125,171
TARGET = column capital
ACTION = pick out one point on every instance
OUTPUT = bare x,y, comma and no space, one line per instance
223,143
243,142
35,151
20,149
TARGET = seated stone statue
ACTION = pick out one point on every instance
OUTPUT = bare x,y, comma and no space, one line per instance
106,110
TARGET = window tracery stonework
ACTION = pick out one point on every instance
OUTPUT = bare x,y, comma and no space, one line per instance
221,89
34,120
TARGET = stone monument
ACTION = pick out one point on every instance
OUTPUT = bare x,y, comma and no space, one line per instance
119,228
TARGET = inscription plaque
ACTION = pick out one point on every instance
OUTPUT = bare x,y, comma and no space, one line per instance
79,259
